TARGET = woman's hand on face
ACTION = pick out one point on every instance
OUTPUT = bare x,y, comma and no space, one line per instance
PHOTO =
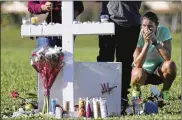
147,35
46,7
150,36
153,37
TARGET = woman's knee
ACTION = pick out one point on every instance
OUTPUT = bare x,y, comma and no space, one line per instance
138,75
169,67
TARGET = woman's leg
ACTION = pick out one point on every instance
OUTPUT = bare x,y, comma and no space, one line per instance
168,74
164,73
138,76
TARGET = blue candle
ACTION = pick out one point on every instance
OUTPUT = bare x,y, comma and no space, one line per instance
53,106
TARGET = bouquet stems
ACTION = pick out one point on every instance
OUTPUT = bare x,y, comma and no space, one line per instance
45,108
47,104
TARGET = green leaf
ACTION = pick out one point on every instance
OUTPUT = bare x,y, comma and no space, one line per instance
14,108
31,94
31,97
6,108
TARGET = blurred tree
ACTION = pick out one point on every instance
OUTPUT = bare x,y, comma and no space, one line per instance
11,19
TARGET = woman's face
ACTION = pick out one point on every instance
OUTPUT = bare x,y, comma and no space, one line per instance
148,25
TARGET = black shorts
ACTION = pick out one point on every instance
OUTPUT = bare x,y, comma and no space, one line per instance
153,78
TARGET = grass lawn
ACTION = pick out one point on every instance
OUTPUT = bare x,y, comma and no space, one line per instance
17,73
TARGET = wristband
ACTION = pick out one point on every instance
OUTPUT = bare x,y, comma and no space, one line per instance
154,43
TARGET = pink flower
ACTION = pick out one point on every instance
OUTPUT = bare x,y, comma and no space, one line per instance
14,94
62,58
34,54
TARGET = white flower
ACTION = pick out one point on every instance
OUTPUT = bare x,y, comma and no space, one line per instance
53,51
58,49
36,59
31,62
40,51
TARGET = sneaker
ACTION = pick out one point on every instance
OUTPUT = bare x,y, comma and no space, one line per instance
135,93
165,95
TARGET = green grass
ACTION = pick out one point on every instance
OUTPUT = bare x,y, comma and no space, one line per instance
17,73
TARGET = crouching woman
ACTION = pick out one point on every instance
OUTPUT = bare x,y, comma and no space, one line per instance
152,57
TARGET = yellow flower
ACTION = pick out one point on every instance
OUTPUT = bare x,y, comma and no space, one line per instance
34,20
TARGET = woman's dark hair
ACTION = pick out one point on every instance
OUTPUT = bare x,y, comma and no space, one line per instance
151,16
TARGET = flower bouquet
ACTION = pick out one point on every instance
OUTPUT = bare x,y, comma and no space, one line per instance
47,61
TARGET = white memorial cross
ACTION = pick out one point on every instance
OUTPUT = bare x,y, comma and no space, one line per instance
67,30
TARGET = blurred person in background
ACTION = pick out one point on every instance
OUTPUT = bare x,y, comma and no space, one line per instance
42,7
152,57
126,17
